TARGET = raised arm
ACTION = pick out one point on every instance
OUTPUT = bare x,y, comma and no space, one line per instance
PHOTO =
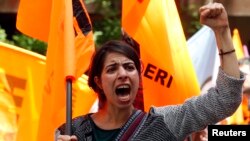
215,16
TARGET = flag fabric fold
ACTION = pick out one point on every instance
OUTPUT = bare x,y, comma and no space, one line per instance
237,44
8,118
33,18
168,75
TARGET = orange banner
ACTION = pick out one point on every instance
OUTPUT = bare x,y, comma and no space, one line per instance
22,74
168,76
33,18
68,31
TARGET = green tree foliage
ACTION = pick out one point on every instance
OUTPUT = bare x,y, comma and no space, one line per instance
29,43
190,19
106,19
25,42
3,36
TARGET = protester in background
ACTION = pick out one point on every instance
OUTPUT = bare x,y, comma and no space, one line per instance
245,68
200,135
115,74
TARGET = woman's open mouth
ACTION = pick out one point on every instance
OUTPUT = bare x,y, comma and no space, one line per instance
123,92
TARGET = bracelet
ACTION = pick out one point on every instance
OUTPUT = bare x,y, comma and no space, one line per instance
224,53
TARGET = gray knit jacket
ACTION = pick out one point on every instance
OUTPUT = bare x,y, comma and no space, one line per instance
176,122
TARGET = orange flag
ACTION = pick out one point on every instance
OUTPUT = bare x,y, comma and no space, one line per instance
238,117
24,83
33,18
168,76
68,55
25,71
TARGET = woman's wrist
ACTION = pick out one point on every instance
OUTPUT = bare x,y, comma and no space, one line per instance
224,40
221,53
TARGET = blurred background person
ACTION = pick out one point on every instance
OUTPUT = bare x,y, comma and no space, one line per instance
245,68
